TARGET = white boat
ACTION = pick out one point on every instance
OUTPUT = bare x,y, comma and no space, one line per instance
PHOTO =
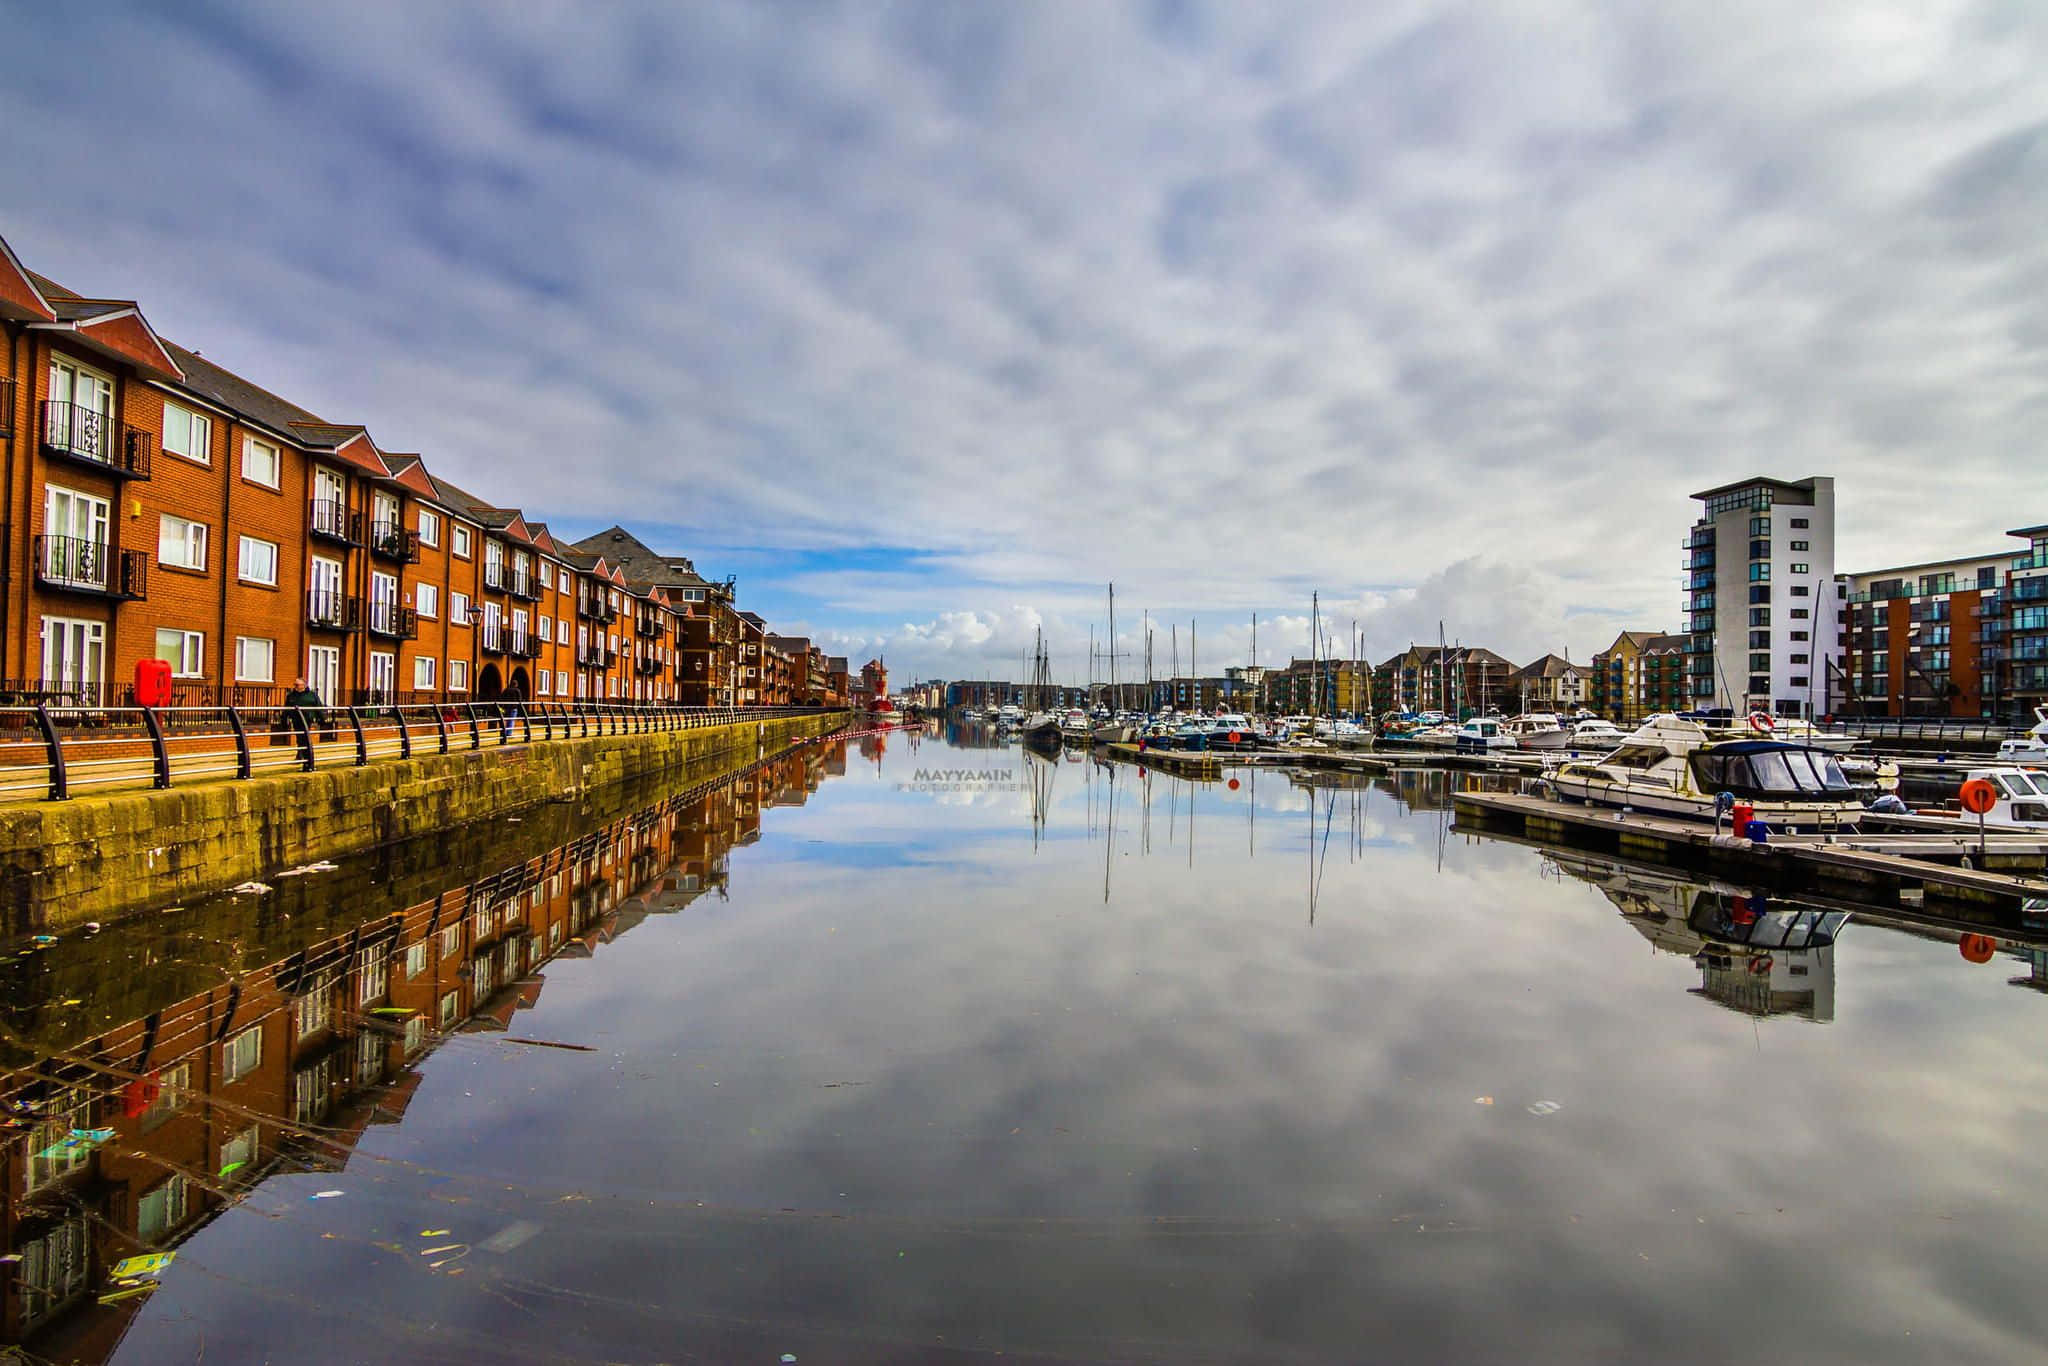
1537,730
2022,803
1791,729
1074,724
1481,734
1673,767
1595,736
2031,748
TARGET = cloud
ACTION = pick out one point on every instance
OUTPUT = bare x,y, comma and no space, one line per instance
1221,303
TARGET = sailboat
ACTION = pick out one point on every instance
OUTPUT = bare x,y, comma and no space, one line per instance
1119,730
1041,727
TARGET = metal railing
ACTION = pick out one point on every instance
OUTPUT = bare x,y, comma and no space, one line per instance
332,610
1951,729
68,741
393,542
336,520
393,621
87,566
77,432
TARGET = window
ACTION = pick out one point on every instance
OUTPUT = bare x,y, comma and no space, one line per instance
458,609
1800,590
173,1085
426,599
561,682
1802,569
1799,523
562,629
1987,576
1759,640
311,1012
459,542
310,1087
415,959
547,575
260,462
238,1152
1799,659
1800,635
244,1053
544,627
1798,680
430,527
423,673
449,1005
184,651
541,680
373,968
255,660
1760,593
1802,545
181,543
161,1210
1759,616
458,675
415,1034
188,434
1801,614
256,561
1760,662
451,941
693,595
1760,572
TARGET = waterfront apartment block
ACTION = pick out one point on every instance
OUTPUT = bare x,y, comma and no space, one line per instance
1965,637
1641,674
162,507
1452,679
1552,684
1762,603
1320,687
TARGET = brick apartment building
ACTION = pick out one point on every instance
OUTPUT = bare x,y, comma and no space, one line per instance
162,507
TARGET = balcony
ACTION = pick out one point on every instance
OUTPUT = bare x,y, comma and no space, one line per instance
390,541
497,577
394,621
596,657
72,564
329,610
527,645
647,628
493,639
90,438
645,666
524,585
597,609
334,520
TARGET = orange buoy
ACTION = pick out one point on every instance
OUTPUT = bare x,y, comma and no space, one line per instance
1977,796
1978,948
1233,784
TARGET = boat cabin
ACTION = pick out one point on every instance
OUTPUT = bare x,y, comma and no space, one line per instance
1769,769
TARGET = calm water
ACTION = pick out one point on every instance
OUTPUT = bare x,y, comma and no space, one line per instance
913,1052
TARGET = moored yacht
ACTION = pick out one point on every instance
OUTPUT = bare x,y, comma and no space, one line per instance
1537,730
1673,767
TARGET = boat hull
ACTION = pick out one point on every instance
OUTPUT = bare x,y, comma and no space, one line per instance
1600,790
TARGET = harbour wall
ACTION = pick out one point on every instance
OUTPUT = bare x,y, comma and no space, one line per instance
93,858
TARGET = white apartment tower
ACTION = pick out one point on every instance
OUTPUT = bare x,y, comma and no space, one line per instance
1762,604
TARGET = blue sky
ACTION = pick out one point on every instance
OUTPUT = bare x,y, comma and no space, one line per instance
926,320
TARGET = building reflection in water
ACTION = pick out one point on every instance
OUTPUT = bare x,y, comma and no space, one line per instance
130,1141
1758,955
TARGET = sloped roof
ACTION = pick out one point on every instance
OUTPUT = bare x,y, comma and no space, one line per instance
228,389
622,547
21,298
115,327
1548,666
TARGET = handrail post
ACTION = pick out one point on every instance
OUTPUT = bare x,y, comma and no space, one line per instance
304,730
525,715
476,738
244,765
355,719
404,733
60,784
441,725
157,747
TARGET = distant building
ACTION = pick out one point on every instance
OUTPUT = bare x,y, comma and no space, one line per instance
1641,674
1762,603
1453,679
1321,687
1552,683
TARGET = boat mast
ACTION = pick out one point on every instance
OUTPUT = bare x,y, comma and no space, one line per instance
1115,691
1315,630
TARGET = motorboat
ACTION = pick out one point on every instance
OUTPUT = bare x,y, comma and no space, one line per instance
1537,730
1074,724
1673,767
1792,729
1595,736
1232,730
2031,748
1482,734
2022,804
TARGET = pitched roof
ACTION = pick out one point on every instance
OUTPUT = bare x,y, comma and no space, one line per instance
20,297
1549,666
237,395
622,547
114,327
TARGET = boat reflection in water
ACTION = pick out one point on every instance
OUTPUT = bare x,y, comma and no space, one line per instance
252,1053
1758,955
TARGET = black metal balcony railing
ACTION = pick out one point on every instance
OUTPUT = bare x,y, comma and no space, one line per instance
598,609
336,521
493,640
393,542
394,621
497,577
596,656
330,609
78,565
524,644
87,435
648,628
646,667
524,585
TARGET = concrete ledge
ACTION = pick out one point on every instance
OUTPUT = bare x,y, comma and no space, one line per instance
65,863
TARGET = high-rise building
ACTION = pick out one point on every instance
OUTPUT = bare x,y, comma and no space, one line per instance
1762,604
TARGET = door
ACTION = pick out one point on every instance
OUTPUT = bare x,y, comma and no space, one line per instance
384,602
323,671
74,537
330,502
81,410
383,677
74,656
492,617
324,593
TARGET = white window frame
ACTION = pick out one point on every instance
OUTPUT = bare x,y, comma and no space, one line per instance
541,679
415,959
460,541
242,671
187,536
198,431
191,660
423,673
426,600
458,608
242,570
430,527
242,1054
561,682
373,975
161,1209
458,675
274,451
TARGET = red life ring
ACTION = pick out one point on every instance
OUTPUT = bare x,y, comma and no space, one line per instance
1235,737
1762,721
1978,948
1760,965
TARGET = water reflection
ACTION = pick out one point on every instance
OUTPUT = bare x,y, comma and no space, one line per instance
129,1141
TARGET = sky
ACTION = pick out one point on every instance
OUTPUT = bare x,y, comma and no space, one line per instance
929,321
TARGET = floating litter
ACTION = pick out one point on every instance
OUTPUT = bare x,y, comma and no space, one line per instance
323,1195
1545,1107
1482,1100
